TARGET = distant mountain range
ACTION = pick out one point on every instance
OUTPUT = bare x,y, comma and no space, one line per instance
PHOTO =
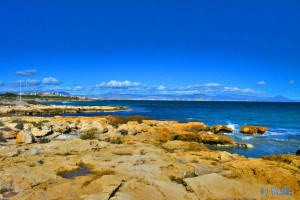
194,97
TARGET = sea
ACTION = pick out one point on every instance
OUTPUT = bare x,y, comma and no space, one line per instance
282,119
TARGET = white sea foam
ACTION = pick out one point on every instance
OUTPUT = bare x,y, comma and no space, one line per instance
234,127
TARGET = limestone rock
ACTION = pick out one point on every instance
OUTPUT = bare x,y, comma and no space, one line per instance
183,146
201,169
62,128
45,130
244,145
25,137
215,186
11,134
225,157
253,129
221,129
216,139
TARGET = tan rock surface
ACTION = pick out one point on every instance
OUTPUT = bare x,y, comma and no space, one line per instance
253,129
147,165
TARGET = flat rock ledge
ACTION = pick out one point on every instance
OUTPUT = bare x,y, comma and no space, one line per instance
120,159
38,110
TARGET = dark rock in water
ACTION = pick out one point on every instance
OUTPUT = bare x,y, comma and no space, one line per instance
298,152
123,132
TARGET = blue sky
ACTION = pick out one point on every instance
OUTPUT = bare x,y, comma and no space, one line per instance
152,47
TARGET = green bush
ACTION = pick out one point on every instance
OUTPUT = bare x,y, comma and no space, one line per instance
5,129
3,190
18,120
19,126
2,139
44,140
89,134
33,102
39,124
116,140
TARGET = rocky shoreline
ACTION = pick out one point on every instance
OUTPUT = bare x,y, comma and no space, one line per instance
114,157
40,110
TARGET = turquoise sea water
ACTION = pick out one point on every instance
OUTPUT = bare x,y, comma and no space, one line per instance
282,119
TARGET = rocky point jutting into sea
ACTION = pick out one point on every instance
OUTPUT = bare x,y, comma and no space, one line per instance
41,110
113,157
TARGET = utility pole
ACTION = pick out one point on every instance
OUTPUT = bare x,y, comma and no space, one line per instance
20,91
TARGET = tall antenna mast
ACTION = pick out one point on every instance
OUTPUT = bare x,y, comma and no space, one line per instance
20,91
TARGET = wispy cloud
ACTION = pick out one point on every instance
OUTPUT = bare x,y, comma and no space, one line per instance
236,90
51,81
161,88
78,88
212,85
261,83
33,82
292,81
29,72
118,84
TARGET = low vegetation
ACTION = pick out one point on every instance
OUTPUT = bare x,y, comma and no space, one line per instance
115,121
33,102
39,124
2,139
116,140
18,120
19,126
89,134
44,140
5,129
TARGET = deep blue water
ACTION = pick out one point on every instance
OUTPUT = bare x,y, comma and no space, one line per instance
282,119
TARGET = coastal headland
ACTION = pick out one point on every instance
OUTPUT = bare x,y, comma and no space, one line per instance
40,110
114,157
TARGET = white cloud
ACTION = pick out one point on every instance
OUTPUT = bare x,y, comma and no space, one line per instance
231,89
212,85
51,81
237,90
29,72
78,87
118,84
32,82
161,88
261,83
292,81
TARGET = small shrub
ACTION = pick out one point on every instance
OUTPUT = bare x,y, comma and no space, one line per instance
39,124
115,121
18,120
137,118
2,123
33,102
44,140
89,135
4,190
5,129
19,126
116,140
2,139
